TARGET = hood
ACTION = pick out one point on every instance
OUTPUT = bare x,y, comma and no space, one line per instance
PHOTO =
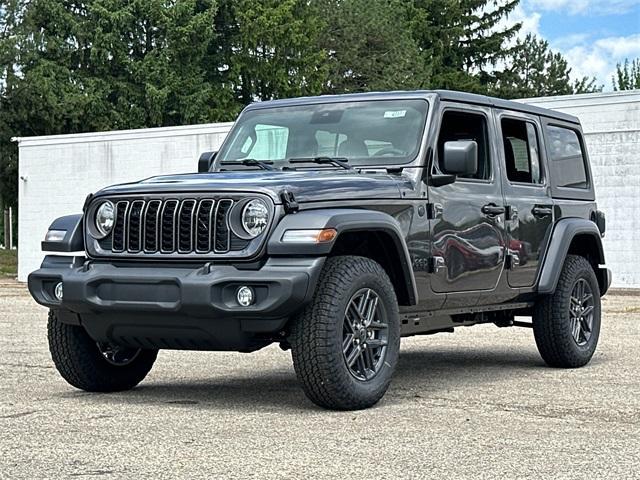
307,186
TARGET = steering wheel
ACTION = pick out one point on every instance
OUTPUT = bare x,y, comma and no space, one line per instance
388,151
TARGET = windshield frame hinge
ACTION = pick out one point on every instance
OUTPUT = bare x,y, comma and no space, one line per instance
289,201
87,201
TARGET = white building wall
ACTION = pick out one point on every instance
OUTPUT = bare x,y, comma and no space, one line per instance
611,124
58,172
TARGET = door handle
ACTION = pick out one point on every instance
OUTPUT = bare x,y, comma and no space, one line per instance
492,210
542,211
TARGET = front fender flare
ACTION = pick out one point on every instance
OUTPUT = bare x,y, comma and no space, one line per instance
343,220
73,240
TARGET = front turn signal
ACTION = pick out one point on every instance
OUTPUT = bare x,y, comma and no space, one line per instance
310,236
55,235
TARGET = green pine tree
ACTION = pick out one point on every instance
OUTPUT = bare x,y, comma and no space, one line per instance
462,40
627,76
270,49
533,70
94,65
10,12
370,47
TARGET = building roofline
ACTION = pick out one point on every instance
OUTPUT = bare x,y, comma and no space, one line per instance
567,102
580,97
522,105
114,135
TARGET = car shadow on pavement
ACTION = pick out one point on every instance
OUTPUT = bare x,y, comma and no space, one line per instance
443,366
418,371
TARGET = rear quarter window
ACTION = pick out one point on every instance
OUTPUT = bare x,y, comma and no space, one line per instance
567,157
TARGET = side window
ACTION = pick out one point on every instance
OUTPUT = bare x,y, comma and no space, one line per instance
466,126
269,142
521,151
566,157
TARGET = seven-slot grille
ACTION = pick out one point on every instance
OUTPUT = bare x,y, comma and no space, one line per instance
172,226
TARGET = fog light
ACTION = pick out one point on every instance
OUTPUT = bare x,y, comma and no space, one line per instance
245,296
58,291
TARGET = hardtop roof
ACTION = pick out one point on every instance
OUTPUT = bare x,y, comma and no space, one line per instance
447,95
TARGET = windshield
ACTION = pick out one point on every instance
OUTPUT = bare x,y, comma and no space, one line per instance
382,132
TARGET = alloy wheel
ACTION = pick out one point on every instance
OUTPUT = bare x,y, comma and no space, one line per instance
581,312
365,335
117,355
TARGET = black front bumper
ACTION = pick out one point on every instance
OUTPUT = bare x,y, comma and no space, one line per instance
171,306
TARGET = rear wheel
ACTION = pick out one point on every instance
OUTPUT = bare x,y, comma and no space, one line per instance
345,343
95,367
566,324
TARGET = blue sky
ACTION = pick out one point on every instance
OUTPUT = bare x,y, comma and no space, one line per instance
592,35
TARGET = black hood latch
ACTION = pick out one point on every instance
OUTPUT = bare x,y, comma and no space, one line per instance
289,202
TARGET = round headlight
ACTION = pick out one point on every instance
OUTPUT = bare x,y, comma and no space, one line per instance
255,216
105,215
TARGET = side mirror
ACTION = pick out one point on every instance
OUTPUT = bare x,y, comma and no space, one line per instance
205,161
460,157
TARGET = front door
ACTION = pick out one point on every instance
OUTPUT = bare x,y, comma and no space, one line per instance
527,195
468,237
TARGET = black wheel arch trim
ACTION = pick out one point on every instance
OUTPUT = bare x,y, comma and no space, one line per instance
343,220
564,231
73,241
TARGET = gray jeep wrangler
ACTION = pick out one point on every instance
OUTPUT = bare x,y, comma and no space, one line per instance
334,226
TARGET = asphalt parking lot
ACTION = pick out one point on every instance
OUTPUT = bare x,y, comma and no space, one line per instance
475,404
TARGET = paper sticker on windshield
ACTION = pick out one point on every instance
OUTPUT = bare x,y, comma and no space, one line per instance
395,113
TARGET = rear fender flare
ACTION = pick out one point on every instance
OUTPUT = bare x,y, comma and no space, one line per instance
564,232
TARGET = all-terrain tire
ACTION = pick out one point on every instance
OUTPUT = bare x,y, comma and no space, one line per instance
316,336
80,362
552,323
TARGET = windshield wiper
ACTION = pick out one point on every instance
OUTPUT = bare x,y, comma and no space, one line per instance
337,161
250,162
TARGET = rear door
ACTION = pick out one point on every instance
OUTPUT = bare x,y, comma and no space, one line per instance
529,215
468,238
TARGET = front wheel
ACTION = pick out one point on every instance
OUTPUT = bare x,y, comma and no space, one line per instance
95,367
345,343
566,324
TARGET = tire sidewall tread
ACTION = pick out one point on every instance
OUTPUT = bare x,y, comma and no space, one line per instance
78,360
551,323
316,335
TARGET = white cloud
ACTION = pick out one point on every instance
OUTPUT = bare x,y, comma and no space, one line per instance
597,57
580,7
587,55
530,21
620,46
569,41
530,24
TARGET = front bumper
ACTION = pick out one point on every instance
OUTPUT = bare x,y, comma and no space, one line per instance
171,306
